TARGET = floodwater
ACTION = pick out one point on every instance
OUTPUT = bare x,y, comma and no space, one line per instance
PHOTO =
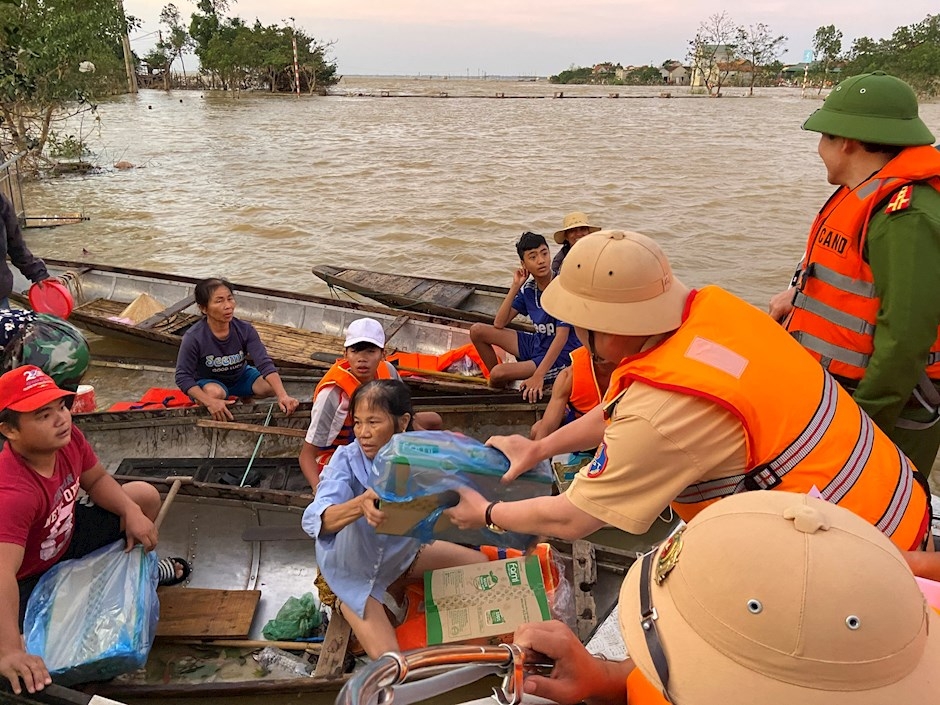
262,187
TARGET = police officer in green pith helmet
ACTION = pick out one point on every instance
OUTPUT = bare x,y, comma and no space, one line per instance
865,300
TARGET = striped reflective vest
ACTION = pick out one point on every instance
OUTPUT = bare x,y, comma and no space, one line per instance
802,430
835,307
585,392
340,376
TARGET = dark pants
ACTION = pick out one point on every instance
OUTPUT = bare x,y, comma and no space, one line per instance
94,527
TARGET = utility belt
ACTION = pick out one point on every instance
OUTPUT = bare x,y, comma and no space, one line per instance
925,396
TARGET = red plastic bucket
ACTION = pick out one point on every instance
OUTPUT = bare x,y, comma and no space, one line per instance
51,296
85,402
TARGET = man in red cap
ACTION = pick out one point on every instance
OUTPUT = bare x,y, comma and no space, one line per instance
43,464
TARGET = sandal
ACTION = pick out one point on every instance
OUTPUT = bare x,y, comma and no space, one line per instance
166,570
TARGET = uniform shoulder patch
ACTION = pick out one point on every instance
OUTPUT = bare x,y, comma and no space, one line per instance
900,201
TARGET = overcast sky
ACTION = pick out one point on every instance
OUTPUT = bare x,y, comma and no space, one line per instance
538,37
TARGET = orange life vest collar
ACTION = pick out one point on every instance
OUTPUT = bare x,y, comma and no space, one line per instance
730,353
836,307
585,391
339,375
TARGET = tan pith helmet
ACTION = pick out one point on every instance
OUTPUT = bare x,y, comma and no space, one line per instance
571,221
780,598
617,282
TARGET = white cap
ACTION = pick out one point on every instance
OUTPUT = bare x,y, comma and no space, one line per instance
365,330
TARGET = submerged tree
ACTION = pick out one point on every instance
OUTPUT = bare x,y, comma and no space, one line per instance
827,47
759,47
257,56
56,59
713,51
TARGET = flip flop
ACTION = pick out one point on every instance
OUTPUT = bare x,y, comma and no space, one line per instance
166,570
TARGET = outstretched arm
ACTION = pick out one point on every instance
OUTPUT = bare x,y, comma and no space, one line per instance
15,663
555,411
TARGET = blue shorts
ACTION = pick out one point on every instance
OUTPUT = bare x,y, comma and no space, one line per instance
242,386
534,347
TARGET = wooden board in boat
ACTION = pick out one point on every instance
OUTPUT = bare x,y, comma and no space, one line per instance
465,301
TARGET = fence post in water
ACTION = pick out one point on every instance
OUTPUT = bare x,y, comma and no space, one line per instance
559,94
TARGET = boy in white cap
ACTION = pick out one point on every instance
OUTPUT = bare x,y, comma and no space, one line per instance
830,616
331,425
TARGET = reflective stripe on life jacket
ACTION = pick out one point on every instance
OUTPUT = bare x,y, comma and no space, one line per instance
585,392
836,307
340,376
802,430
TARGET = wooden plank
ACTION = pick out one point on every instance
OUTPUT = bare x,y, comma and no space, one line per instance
251,428
167,312
447,295
395,326
210,614
333,653
585,578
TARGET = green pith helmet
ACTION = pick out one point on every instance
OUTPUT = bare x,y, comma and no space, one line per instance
872,107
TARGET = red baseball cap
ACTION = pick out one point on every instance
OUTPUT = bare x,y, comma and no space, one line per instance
28,388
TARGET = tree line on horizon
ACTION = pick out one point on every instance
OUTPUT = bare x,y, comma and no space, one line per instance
723,52
58,59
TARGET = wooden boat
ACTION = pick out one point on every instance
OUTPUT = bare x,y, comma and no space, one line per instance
256,545
157,443
299,330
454,299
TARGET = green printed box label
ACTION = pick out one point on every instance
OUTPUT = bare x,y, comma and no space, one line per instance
515,575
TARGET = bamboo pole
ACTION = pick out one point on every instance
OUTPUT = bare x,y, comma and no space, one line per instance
126,46
251,428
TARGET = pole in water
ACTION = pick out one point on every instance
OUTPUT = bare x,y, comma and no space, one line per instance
293,40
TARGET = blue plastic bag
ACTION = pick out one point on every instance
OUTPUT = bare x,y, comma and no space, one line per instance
431,465
95,617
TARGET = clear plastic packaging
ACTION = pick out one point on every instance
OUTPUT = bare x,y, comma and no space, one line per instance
95,617
424,469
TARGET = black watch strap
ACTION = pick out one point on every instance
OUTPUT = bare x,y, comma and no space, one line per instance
488,518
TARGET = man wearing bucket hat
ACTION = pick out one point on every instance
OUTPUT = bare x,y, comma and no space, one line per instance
830,616
866,298
575,226
710,398
13,246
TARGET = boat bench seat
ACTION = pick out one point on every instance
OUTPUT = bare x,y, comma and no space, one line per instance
444,294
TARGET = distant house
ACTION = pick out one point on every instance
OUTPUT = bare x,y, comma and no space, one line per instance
606,67
675,74
707,62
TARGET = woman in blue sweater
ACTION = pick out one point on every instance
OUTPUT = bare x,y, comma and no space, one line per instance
213,358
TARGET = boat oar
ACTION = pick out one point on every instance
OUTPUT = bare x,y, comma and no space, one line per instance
174,488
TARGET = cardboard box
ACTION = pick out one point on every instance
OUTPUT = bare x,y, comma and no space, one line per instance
484,600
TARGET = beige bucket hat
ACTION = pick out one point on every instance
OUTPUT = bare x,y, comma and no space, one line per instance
573,220
779,598
617,282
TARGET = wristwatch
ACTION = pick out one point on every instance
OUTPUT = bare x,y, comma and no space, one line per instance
488,518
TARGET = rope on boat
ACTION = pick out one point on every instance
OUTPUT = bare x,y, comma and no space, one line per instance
73,280
254,453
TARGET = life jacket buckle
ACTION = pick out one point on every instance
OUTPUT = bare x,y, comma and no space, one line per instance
762,477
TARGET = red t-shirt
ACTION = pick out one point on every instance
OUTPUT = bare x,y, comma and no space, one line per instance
37,512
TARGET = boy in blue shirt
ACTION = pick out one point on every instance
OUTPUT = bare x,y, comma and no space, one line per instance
542,354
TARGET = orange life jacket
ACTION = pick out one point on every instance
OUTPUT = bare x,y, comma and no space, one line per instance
585,392
801,429
836,306
340,376
641,692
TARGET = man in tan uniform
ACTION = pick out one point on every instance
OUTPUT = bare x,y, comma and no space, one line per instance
720,401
